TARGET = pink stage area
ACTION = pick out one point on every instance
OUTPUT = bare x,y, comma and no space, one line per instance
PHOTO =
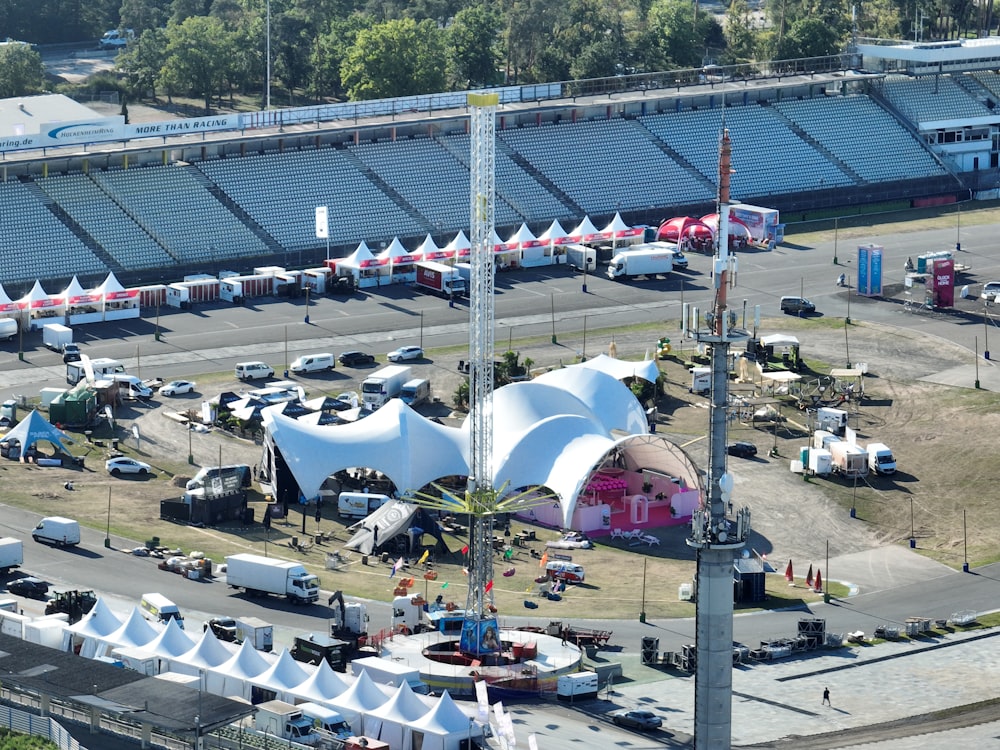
626,500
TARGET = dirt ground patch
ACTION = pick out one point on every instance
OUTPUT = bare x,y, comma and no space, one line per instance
792,518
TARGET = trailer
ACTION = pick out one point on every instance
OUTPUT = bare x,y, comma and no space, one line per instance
11,554
642,260
581,257
439,278
236,289
580,637
55,336
761,222
849,460
267,575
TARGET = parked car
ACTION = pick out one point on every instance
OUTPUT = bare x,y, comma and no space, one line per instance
991,290
636,718
406,352
742,449
126,465
71,353
680,261
177,387
796,306
29,586
355,358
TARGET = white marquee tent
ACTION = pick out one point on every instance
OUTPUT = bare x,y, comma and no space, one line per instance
207,653
620,369
232,677
282,676
444,727
321,686
360,699
389,721
171,643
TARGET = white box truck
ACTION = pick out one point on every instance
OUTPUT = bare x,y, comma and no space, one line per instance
581,257
849,460
101,367
389,672
415,391
265,575
257,631
55,336
383,385
8,328
641,260
56,530
880,459
11,554
761,222
280,719
439,278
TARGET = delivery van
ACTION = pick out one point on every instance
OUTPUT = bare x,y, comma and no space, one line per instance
359,504
131,387
62,532
416,391
326,719
564,571
158,608
313,363
253,370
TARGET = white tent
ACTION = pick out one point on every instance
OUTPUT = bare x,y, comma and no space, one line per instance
171,643
96,625
360,264
41,306
73,292
585,231
389,721
35,427
283,676
397,441
618,230
6,303
321,686
232,678
399,260
554,235
135,632
444,727
361,698
458,247
530,251
603,395
429,250
209,652
620,369
779,339
117,301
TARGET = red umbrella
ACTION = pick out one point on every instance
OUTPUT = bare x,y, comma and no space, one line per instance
809,576
789,576
819,581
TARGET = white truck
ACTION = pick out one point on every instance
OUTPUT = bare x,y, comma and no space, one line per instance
761,222
265,575
880,459
416,391
99,368
412,615
848,459
581,257
642,260
326,722
384,384
11,554
283,720
439,278
350,621
55,336
257,631
8,328
389,672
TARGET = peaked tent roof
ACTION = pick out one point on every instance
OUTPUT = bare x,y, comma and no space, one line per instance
135,632
610,400
459,243
209,652
362,697
322,685
73,290
445,717
97,623
389,721
283,675
110,285
620,369
361,258
554,235
35,427
584,229
395,253
232,678
616,227
522,236
172,642
428,249
397,441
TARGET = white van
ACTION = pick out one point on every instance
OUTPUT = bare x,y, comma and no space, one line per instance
415,391
313,363
326,719
359,504
253,370
62,532
132,387
158,608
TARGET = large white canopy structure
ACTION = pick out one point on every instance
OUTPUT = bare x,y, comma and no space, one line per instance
232,678
620,369
389,721
361,698
444,727
321,686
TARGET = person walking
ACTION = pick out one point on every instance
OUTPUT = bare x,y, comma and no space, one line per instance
826,697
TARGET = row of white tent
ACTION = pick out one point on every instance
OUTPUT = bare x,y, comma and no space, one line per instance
522,248
109,300
390,714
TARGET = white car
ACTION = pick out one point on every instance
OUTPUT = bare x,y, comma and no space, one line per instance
125,465
406,352
991,290
177,387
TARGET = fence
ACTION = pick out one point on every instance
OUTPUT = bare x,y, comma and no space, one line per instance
40,726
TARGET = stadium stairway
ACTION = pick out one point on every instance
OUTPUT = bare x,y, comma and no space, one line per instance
794,127
681,161
542,180
385,187
56,210
235,209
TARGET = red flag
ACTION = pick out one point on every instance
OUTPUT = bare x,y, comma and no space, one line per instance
819,580
789,576
544,559
488,587
465,549
809,576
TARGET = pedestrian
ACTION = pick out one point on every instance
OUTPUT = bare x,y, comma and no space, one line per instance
826,697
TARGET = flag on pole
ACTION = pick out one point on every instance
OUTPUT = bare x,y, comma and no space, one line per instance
427,553
789,575
544,559
488,587
396,566
809,576
819,580
465,549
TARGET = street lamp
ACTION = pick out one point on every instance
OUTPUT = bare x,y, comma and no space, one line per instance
913,538
267,83
307,304
107,532
836,231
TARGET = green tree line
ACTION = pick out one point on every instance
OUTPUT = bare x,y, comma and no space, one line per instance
324,50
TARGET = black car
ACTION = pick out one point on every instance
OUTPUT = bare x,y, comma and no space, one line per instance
71,353
29,586
796,306
743,449
636,718
355,359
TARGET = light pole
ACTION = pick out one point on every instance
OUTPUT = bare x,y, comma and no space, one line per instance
421,329
267,83
286,351
552,298
958,227
913,538
583,354
107,531
836,232
976,340
847,344
848,319
642,609
854,498
965,543
190,452
156,332
986,331
307,304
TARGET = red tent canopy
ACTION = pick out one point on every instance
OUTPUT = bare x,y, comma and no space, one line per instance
680,227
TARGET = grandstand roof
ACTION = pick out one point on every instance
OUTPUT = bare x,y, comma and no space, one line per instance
24,115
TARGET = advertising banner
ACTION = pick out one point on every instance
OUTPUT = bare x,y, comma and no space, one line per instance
942,282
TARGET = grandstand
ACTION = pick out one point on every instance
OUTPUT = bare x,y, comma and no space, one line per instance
153,213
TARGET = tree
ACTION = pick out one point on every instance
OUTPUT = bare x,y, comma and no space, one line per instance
140,15
395,58
21,71
327,57
598,60
473,55
142,61
741,41
674,33
198,53
810,37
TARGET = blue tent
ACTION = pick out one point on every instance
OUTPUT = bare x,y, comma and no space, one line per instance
33,428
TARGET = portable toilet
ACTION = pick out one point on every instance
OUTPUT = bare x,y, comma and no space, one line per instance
701,379
820,462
